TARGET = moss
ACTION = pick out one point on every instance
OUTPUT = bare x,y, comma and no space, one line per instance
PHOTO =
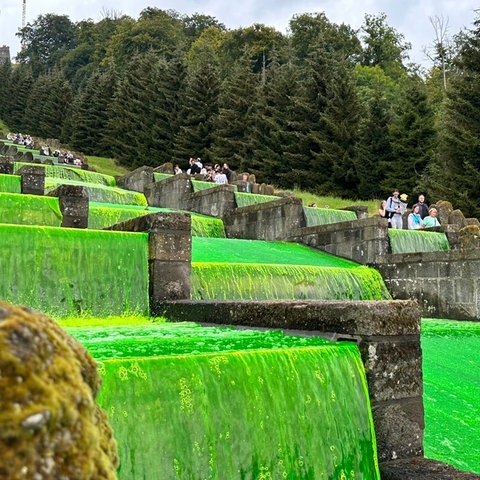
50,425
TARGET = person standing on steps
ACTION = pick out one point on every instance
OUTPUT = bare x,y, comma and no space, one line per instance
394,207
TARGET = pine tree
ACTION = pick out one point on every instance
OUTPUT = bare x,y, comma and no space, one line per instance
199,107
374,150
16,100
455,174
412,137
233,125
89,113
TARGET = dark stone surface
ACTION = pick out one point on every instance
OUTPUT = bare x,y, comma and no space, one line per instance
74,205
6,165
137,180
216,202
33,179
275,220
423,469
173,192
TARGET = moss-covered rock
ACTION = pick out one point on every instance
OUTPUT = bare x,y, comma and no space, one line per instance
50,425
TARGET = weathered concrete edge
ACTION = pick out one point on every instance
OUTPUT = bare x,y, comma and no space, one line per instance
423,469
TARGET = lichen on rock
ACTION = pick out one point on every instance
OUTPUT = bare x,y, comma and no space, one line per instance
50,424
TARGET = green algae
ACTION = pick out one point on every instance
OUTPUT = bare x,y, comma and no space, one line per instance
101,193
222,403
411,241
323,216
22,209
451,373
10,183
244,199
64,271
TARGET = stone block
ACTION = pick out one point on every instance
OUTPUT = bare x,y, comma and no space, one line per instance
168,281
393,367
170,246
33,179
399,429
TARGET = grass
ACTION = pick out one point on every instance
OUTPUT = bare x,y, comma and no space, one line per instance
336,202
107,166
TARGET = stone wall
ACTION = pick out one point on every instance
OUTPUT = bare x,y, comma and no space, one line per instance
445,284
388,336
273,220
360,240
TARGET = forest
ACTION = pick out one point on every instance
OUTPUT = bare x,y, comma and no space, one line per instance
324,108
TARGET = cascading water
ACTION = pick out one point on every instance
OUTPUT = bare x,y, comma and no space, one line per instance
451,366
71,173
10,183
101,193
322,216
245,199
102,215
66,272
191,402
411,241
257,270
30,210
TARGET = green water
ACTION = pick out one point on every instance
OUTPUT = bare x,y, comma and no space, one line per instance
70,173
102,215
245,199
451,376
24,209
229,269
10,183
158,177
411,241
187,402
322,216
199,185
65,272
101,193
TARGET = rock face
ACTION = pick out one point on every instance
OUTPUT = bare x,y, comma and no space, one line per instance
50,426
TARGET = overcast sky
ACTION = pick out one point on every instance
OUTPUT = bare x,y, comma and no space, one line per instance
409,17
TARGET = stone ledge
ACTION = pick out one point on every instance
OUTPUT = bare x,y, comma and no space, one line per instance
423,469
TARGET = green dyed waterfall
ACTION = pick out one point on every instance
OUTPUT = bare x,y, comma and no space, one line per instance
322,216
410,241
192,402
10,183
245,199
101,193
29,210
64,271
256,270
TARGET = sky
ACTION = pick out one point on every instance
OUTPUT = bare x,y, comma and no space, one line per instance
409,17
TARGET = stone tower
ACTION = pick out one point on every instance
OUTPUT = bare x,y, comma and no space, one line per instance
4,54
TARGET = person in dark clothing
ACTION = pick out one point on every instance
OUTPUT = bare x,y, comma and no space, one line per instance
194,167
226,170
422,207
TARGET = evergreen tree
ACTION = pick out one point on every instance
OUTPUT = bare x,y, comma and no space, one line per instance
5,86
16,99
374,150
233,124
412,137
455,174
89,117
47,105
137,130
199,107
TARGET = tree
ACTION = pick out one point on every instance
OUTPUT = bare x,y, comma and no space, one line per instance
384,46
200,105
412,138
233,124
46,41
455,173
89,118
48,105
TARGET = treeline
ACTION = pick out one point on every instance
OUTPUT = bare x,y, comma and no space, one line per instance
325,108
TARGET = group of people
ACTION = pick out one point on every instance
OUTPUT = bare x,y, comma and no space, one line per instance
419,218
19,139
215,173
